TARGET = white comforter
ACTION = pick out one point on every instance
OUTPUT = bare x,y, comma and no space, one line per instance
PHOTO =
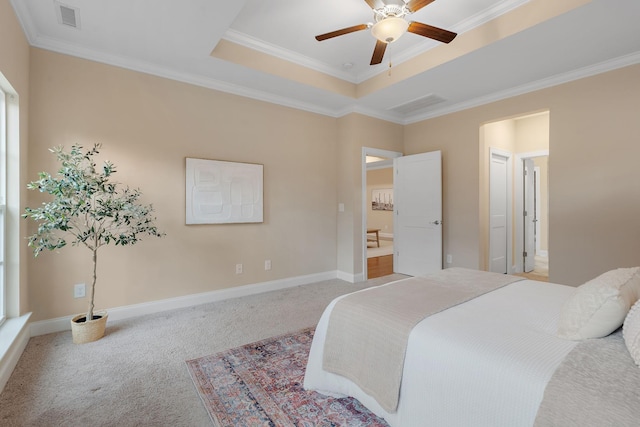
482,363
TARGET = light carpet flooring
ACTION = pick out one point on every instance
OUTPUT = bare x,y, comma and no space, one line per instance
136,375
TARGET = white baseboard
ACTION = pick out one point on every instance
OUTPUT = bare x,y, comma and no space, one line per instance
543,253
14,336
351,278
60,324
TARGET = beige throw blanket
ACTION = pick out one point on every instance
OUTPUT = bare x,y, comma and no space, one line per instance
368,331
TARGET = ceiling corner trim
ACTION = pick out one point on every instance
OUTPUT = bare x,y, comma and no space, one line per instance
461,27
259,61
558,79
358,109
168,73
278,52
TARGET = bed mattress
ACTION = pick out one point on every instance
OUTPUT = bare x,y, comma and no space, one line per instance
484,363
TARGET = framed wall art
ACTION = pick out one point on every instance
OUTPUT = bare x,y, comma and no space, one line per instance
382,199
220,192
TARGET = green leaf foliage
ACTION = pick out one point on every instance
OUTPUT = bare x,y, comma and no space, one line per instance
87,208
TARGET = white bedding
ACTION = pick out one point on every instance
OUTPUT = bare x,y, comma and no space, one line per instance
483,363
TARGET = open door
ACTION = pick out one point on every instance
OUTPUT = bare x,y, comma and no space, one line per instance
418,213
529,215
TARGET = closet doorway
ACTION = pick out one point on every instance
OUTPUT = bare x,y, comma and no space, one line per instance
532,222
521,210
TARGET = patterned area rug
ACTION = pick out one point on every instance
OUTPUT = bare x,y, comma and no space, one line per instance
260,384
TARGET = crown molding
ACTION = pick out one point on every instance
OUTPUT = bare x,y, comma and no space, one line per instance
465,25
148,68
288,55
24,17
172,74
558,79
376,114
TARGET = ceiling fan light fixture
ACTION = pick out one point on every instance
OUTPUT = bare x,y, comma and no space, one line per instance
389,29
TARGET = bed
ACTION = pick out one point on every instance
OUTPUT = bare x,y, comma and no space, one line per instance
489,361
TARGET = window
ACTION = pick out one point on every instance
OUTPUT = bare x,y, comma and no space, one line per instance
3,201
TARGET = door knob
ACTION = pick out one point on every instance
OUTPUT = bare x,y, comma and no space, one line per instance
436,222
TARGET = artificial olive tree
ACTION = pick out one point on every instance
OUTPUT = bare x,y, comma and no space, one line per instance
88,208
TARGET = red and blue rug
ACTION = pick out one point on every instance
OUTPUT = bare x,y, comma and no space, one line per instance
260,384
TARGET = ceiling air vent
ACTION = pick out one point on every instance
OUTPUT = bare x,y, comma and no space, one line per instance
67,15
418,105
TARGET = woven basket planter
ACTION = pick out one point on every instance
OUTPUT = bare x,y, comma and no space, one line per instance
84,332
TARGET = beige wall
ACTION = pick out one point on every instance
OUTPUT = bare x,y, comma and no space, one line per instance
594,197
459,147
379,179
594,181
532,133
14,66
356,131
148,126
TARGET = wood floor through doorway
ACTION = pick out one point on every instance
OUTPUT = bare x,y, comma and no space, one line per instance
379,266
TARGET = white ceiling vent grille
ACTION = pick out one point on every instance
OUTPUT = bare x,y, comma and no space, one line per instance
418,105
67,15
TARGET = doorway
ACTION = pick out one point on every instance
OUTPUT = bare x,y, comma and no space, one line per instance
415,210
379,219
377,188
532,222
514,201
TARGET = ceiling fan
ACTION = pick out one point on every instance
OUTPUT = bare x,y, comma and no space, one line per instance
390,25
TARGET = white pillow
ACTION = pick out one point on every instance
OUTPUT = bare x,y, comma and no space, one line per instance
631,332
599,306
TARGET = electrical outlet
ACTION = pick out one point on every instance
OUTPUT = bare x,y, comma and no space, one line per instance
267,264
238,268
79,290
449,259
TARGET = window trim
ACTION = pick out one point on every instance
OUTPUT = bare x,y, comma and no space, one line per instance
4,98
13,228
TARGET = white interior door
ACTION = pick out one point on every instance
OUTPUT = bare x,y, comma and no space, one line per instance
418,213
529,215
498,176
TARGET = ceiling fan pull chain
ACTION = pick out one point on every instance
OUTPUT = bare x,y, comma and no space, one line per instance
389,69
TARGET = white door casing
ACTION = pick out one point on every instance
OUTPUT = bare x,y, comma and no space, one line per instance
538,207
418,213
528,214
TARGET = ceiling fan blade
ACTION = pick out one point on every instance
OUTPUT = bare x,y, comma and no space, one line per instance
416,5
378,52
375,4
435,33
341,32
